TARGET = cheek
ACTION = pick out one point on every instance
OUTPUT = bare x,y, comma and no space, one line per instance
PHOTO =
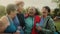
29,12
44,13
14,14
34,12
20,6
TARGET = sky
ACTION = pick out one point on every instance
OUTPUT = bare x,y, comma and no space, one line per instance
37,3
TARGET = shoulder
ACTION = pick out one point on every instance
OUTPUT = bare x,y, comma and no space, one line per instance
4,19
49,17
37,17
26,18
3,23
20,14
51,21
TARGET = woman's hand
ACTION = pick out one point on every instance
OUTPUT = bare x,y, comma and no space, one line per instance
39,28
16,33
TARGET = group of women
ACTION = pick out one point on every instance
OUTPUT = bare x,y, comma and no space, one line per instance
15,22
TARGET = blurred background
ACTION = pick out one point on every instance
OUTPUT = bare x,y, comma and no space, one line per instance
53,4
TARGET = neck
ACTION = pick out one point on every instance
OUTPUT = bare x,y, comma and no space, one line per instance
45,16
31,16
10,16
18,12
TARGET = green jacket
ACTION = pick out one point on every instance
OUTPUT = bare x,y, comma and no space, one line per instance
51,26
29,22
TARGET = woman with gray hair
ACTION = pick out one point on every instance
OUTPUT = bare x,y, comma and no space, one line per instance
7,20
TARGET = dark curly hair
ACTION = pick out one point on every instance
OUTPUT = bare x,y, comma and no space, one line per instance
36,9
48,9
37,12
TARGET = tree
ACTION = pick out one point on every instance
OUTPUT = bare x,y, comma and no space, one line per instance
57,1
57,10
2,10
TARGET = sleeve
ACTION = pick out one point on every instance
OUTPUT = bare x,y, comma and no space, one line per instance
37,25
16,21
51,28
23,21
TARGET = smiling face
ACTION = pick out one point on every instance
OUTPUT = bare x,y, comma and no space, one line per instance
46,11
20,6
31,11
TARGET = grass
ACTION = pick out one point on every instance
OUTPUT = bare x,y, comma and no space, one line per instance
57,23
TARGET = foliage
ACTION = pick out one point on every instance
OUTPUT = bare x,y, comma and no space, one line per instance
2,10
57,10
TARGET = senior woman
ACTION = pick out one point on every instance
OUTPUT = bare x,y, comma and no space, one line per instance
7,20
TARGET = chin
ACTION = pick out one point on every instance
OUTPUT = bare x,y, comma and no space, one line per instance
44,15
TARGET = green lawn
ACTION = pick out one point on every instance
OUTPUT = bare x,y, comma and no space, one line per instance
57,23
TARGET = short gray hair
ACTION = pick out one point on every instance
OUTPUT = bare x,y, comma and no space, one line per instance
10,7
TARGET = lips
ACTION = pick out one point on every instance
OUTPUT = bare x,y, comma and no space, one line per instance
31,12
44,12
